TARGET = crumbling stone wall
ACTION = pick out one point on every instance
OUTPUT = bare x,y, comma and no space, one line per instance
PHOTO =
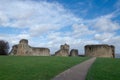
41,51
14,50
102,50
64,50
74,52
24,49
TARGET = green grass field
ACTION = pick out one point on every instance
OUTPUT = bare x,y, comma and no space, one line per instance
105,69
34,67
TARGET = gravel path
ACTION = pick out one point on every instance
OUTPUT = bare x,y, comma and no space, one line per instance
77,72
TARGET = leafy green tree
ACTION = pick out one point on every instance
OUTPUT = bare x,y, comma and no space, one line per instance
4,47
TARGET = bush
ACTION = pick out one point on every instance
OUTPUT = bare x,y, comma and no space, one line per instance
4,47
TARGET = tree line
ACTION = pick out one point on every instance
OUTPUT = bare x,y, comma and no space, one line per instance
4,47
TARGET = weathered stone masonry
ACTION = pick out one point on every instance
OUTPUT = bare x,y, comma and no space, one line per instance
74,52
102,50
23,49
64,50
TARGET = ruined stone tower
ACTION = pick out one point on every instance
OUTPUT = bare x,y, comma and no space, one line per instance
65,46
102,50
24,49
64,50
74,52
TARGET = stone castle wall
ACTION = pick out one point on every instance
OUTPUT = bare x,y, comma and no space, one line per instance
23,49
99,50
41,51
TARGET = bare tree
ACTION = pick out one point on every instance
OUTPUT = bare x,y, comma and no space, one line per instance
4,47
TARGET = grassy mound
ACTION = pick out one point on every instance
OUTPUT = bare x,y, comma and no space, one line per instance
34,67
105,69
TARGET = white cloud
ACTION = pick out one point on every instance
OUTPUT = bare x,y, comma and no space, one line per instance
23,36
105,24
81,30
104,37
39,17
3,18
14,38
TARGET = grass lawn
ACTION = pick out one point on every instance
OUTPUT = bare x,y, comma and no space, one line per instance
34,67
105,69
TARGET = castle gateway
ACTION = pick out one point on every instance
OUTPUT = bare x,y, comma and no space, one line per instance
102,50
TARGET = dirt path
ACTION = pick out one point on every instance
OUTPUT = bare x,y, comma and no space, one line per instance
77,72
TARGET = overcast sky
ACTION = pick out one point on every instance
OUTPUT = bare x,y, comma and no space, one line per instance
50,23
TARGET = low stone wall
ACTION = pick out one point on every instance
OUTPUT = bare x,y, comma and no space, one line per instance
41,51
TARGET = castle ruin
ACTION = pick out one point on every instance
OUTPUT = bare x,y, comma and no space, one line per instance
102,50
74,52
64,50
23,49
